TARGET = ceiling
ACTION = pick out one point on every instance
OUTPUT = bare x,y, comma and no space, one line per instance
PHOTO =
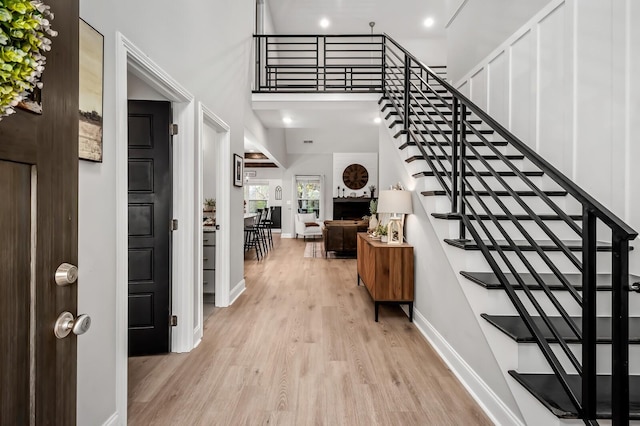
400,19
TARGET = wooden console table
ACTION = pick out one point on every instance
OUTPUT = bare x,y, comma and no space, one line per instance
387,272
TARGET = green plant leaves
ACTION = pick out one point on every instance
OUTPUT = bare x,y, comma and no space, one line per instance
24,26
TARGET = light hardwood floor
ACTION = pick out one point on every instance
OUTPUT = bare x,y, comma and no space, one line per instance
300,347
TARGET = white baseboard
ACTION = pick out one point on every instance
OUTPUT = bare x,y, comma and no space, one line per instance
237,291
198,341
286,236
112,421
492,405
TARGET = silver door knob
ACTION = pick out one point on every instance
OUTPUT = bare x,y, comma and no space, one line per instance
66,274
65,324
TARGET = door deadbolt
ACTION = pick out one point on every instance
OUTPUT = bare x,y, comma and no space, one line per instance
66,274
65,324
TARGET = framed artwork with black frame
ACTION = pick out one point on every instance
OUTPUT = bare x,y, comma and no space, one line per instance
237,170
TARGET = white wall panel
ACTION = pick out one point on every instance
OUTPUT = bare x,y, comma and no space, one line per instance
593,156
522,102
632,116
553,113
479,88
565,84
498,96
465,88
481,26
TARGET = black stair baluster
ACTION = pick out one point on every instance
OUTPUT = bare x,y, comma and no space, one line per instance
589,401
462,169
454,158
620,329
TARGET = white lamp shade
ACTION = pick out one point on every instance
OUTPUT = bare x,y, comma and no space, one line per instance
394,201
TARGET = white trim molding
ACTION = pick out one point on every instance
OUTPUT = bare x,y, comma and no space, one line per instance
205,117
112,421
537,18
455,13
492,405
237,291
129,58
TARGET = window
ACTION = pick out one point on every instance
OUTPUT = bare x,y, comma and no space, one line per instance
308,194
256,196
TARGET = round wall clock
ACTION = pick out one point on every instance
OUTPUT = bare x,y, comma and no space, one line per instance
355,176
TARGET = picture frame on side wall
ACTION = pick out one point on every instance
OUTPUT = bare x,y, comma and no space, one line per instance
91,46
238,171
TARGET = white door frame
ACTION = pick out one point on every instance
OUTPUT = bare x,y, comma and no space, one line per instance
131,59
205,117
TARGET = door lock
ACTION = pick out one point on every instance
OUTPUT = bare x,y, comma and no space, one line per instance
66,274
65,324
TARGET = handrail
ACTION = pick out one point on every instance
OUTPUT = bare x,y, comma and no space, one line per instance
577,192
440,121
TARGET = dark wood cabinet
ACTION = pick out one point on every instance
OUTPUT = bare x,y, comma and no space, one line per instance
387,272
276,217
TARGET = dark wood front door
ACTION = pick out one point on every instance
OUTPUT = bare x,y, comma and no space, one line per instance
149,232
38,232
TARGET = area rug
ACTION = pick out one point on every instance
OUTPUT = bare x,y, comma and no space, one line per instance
316,250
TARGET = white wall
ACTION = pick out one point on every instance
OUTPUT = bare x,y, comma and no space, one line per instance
480,26
565,84
432,51
139,90
209,161
369,160
438,295
208,53
332,139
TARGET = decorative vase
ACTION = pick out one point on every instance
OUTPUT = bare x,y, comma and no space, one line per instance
383,239
373,222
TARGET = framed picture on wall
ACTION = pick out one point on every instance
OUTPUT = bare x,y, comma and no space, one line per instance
237,170
91,68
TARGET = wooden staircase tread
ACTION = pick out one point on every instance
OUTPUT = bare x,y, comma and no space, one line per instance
548,390
481,173
514,327
456,216
489,280
546,245
469,157
501,193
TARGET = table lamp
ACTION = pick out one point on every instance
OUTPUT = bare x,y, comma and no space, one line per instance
397,203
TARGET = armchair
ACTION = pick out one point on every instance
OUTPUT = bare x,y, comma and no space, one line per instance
307,225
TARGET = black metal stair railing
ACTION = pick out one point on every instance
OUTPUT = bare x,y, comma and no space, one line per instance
319,63
414,96
455,138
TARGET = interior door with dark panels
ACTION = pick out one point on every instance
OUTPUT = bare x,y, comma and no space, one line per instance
39,216
150,197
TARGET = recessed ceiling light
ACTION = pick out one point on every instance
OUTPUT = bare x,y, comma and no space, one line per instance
428,22
286,120
377,120
324,23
